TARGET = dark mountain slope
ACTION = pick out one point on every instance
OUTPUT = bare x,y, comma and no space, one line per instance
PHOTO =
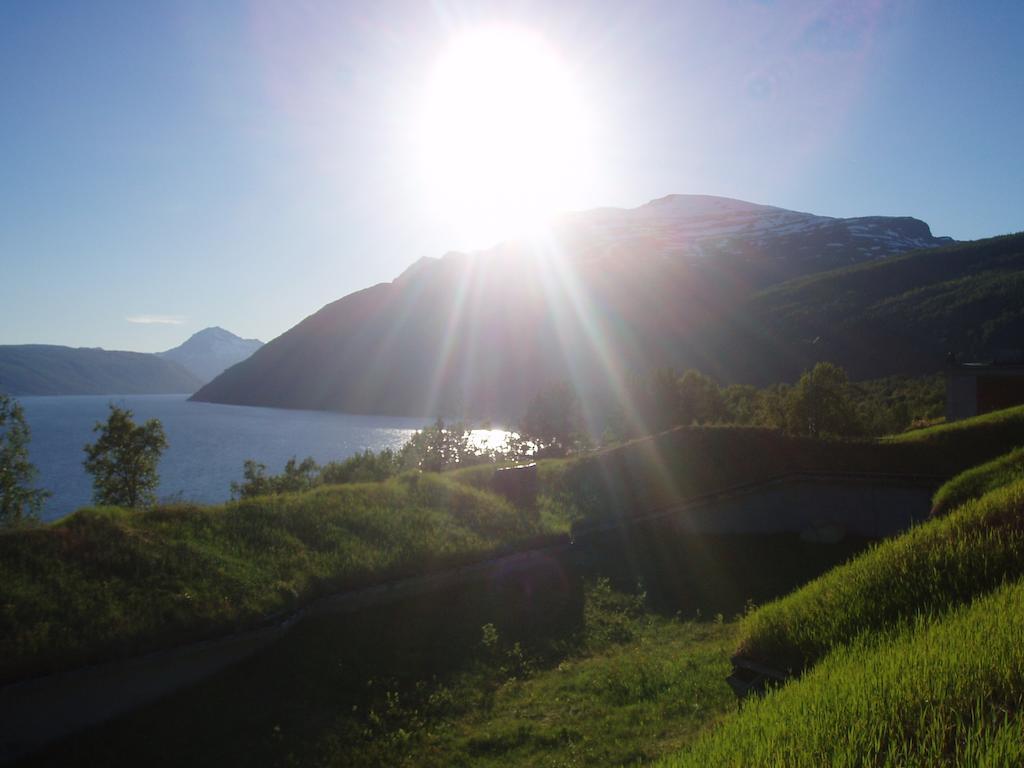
43,369
897,316
615,292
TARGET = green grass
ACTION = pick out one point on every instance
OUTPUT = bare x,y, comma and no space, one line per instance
944,690
978,481
655,472
970,435
412,685
107,582
626,705
932,567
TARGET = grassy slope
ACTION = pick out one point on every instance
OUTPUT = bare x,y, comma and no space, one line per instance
970,436
409,686
978,481
937,565
651,473
108,582
947,690
918,652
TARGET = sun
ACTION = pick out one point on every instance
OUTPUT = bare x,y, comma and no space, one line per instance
503,138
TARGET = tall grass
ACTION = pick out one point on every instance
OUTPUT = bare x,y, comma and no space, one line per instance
107,582
978,481
937,565
945,690
972,434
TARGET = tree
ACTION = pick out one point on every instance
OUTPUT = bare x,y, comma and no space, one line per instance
700,400
664,399
820,403
19,501
553,422
123,460
740,403
439,447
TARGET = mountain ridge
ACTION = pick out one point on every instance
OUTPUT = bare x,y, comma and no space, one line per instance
50,369
618,292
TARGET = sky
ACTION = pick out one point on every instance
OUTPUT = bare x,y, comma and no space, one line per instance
168,166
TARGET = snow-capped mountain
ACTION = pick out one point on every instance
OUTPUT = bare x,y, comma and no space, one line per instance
211,351
704,226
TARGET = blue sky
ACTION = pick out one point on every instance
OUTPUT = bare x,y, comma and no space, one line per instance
243,163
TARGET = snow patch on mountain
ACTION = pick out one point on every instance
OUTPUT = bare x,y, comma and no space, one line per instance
701,226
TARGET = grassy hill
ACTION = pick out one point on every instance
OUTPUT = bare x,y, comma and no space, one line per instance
937,565
621,677
943,689
105,583
912,652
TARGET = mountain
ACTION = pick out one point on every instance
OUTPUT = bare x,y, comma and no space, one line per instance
897,316
614,292
768,243
43,369
209,352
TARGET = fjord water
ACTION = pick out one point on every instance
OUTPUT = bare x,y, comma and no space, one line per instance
207,443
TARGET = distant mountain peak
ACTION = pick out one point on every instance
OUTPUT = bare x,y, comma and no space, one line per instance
215,331
209,352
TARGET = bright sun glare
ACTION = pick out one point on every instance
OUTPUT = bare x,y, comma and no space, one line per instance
504,138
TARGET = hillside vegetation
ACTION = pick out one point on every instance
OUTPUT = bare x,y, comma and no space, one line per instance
109,582
106,583
440,683
650,474
912,650
934,566
899,315
978,481
946,689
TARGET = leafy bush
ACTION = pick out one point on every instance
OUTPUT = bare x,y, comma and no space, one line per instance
931,568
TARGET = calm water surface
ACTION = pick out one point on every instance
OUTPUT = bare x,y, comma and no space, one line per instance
208,443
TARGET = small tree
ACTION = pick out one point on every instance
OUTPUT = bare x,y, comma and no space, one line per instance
19,501
124,458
